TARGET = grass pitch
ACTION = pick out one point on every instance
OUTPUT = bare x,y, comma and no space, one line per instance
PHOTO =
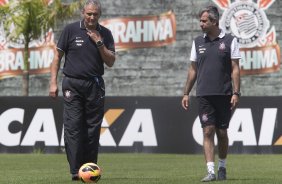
140,168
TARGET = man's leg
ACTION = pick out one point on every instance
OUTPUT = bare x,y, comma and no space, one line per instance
222,137
209,132
223,109
222,143
73,125
94,113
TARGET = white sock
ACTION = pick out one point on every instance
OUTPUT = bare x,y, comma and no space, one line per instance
221,163
210,167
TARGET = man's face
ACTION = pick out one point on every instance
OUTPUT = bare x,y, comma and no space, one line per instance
206,23
91,14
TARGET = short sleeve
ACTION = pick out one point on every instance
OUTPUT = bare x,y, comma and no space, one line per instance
63,40
110,43
193,55
235,50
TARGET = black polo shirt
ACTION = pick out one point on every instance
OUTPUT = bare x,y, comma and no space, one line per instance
82,57
214,65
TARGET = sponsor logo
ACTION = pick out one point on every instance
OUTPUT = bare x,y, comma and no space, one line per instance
202,50
122,128
42,128
143,31
141,120
79,41
41,52
12,60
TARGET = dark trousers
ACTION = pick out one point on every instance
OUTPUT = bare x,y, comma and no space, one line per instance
83,115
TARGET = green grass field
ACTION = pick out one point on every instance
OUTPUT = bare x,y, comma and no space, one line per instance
139,168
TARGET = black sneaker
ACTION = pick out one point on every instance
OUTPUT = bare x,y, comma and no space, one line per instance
209,177
221,175
75,177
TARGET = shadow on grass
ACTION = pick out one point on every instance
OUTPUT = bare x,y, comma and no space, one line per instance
251,181
146,180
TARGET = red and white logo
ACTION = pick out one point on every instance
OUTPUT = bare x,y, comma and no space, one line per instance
2,2
247,21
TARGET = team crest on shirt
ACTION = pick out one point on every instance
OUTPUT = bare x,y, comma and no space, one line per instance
222,46
205,117
67,93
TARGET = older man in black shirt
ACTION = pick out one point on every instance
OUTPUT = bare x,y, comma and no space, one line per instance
87,45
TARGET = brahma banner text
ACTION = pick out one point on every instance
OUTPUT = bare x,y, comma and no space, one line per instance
142,31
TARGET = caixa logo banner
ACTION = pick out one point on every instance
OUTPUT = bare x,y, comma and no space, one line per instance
140,124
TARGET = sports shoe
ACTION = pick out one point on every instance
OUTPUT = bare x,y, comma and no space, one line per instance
75,177
221,175
209,177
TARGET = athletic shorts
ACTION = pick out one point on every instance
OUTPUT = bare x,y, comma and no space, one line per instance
215,110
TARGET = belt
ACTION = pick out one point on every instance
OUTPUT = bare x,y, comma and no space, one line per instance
96,78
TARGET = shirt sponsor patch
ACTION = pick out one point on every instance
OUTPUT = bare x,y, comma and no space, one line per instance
202,50
79,41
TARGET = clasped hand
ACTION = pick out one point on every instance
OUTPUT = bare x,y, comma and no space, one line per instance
94,35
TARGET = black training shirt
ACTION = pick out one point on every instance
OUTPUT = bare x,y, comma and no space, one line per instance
82,57
214,65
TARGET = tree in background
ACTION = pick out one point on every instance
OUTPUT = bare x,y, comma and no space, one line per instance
30,20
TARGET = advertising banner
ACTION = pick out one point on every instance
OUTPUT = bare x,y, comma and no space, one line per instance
128,32
12,60
248,22
140,124
41,51
142,31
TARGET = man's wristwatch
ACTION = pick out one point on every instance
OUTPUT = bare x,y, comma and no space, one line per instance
237,93
99,43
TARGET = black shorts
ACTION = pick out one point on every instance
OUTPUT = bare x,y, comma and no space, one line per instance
215,110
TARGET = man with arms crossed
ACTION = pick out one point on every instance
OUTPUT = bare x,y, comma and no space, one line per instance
215,66
87,45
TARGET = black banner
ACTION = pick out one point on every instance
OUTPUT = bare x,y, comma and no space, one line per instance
140,124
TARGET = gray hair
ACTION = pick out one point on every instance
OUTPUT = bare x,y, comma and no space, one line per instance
213,13
95,3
